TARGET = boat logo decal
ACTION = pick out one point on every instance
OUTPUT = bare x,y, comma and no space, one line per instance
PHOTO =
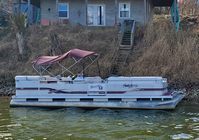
129,85
97,86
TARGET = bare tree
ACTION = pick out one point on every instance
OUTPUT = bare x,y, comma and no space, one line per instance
19,26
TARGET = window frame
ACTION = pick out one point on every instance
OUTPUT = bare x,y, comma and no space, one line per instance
121,4
68,9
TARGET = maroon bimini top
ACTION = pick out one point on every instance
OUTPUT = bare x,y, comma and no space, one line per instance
74,53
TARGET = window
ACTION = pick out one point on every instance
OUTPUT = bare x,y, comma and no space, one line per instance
124,10
63,9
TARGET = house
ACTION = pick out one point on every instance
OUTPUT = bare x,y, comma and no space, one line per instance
89,12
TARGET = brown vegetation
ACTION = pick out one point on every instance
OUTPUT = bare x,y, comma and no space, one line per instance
189,7
101,40
161,52
172,54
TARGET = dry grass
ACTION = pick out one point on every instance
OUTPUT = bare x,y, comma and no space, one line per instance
161,52
100,40
168,53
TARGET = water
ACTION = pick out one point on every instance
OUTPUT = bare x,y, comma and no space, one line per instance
103,124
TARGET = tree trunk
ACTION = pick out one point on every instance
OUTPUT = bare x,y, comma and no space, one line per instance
20,43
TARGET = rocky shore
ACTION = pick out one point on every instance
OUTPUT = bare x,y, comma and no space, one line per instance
192,96
7,91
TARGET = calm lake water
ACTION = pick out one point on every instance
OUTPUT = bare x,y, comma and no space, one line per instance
103,124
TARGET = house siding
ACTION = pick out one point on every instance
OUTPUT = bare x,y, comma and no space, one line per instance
109,10
77,11
149,10
45,5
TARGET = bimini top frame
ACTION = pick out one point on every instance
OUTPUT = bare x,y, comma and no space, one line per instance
42,63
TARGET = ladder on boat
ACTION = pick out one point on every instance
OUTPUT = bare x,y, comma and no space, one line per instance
125,47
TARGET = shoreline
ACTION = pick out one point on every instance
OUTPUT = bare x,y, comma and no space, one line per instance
192,96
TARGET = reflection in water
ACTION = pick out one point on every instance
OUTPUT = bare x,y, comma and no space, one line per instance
73,123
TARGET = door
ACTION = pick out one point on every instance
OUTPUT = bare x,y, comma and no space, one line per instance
96,15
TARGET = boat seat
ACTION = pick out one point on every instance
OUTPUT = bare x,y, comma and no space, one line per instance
66,79
93,79
48,78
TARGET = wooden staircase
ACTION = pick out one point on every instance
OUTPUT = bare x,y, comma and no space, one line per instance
126,39
125,47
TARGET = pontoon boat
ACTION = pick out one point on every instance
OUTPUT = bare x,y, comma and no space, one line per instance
90,92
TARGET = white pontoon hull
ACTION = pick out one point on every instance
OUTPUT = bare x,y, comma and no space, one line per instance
96,104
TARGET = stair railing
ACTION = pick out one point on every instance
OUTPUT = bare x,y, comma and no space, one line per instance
132,33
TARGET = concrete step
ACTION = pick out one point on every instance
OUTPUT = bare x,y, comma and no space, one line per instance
125,46
126,42
129,48
126,33
128,39
123,54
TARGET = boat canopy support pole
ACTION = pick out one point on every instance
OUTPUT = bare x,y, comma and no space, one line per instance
65,69
43,70
76,61
98,68
92,61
